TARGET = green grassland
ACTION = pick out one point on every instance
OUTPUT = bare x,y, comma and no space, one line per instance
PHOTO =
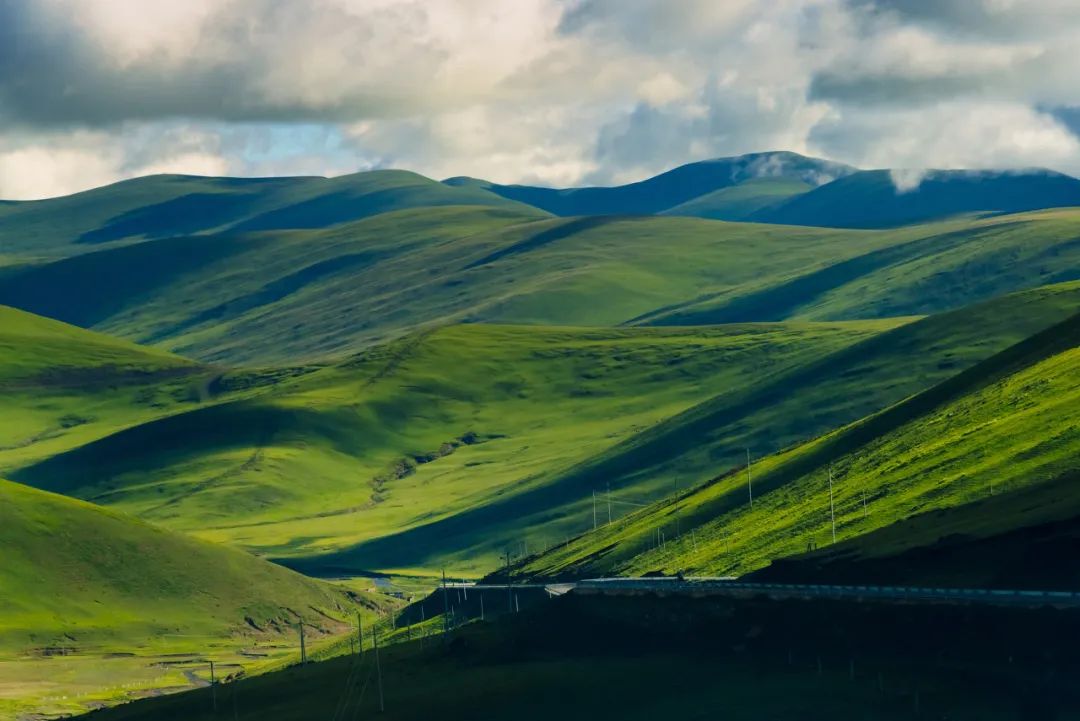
444,446
162,206
63,386
782,409
281,296
926,269
1006,424
741,201
95,602
421,430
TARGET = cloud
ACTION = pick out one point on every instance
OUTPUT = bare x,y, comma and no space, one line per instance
549,91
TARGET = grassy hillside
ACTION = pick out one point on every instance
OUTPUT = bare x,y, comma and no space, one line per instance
76,574
99,607
276,297
431,427
63,386
439,447
162,206
1008,423
33,348
742,201
925,269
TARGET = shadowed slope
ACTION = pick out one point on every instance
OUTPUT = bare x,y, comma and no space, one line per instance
1007,423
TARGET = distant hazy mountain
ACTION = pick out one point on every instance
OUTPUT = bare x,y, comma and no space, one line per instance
882,198
675,187
792,189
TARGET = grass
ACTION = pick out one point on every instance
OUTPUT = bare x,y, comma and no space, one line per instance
448,445
926,269
1008,423
98,605
64,386
416,432
280,296
741,201
162,206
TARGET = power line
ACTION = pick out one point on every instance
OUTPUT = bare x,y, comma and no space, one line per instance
749,481
832,506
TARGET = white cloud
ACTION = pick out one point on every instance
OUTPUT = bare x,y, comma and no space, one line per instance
961,134
556,91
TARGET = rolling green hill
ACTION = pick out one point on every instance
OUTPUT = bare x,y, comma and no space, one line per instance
75,574
63,386
1005,426
163,206
742,201
423,429
440,446
40,350
99,607
282,296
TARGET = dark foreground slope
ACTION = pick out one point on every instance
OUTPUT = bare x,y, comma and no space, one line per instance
646,658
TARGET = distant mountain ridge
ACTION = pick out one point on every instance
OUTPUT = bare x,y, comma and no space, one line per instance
771,187
672,188
791,189
882,198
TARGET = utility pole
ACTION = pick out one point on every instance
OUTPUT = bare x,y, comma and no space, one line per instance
446,605
509,593
213,688
609,504
378,668
359,635
303,646
594,509
678,520
749,481
832,506
481,606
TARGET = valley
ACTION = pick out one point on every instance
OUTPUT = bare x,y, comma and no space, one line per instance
234,407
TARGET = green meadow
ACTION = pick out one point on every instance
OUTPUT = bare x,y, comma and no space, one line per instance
228,403
98,605
1006,426
426,428
281,296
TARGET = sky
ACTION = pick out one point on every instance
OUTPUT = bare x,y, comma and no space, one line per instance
553,92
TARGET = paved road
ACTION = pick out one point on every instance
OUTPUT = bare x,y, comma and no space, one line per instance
739,589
